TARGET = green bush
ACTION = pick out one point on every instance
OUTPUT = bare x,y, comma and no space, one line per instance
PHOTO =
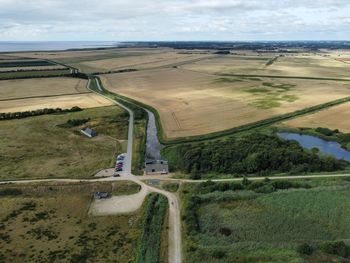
338,248
10,191
305,249
149,245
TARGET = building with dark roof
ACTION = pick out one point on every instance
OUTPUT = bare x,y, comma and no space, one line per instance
89,132
156,167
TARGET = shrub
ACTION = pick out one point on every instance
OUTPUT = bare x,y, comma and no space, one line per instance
219,254
338,248
10,191
305,249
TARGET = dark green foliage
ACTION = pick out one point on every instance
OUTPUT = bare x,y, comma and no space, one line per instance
219,254
24,63
191,217
76,122
25,114
149,244
305,249
325,131
252,154
266,186
338,248
10,191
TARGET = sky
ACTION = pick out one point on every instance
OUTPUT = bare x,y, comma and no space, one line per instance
167,20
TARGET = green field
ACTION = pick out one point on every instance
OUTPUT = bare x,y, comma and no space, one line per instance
250,226
50,223
49,147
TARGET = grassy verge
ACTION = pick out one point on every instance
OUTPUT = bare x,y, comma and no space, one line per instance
253,222
139,149
149,246
50,223
49,146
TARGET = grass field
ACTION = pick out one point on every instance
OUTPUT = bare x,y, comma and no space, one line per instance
39,147
243,226
333,118
23,88
50,223
191,103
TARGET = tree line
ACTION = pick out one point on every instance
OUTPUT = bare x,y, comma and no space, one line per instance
25,114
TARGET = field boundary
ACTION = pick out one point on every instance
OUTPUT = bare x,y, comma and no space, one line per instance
47,96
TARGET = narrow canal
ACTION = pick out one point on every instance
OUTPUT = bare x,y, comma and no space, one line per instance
153,146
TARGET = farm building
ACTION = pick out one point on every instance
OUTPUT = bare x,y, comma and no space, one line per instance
89,132
156,167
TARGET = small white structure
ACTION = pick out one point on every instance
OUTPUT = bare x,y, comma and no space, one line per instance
156,167
89,132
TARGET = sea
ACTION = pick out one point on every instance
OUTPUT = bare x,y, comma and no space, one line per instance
15,46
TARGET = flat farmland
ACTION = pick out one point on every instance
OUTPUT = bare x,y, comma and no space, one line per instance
309,66
140,60
333,118
290,65
89,100
226,64
192,103
23,88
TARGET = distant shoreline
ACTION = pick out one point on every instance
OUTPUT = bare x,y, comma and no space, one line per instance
7,47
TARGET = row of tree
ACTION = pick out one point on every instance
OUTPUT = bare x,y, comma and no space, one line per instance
25,114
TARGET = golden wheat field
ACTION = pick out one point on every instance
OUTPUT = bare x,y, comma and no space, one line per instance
140,60
89,100
333,118
23,88
192,103
301,65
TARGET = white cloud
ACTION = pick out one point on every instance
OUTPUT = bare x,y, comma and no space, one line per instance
173,19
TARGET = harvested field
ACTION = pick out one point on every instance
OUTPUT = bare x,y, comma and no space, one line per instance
191,103
24,88
333,118
289,65
89,100
141,60
229,64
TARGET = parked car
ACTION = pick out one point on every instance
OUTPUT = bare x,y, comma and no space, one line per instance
116,175
119,169
121,158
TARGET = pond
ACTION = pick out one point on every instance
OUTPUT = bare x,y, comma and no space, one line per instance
153,146
326,147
